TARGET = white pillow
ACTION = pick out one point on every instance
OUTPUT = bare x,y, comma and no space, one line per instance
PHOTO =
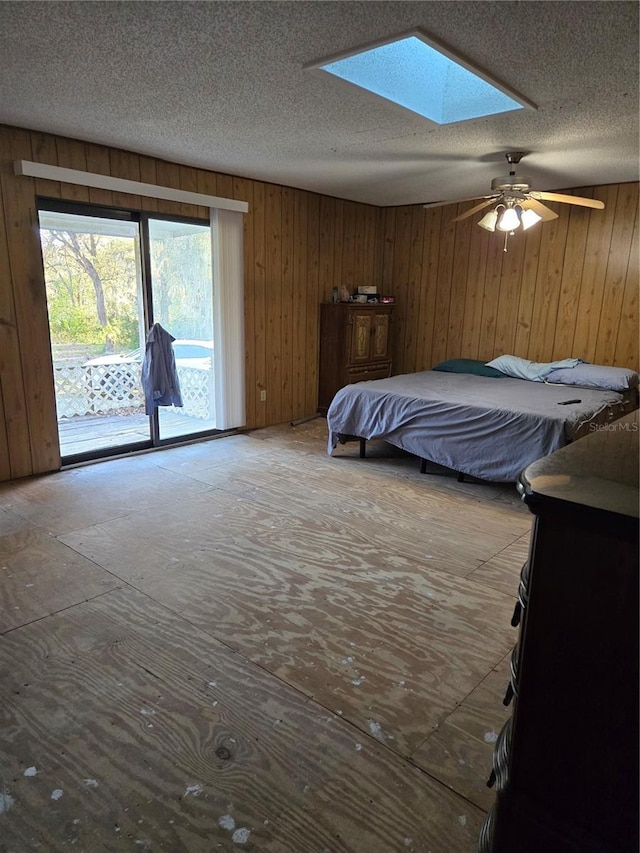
523,368
596,376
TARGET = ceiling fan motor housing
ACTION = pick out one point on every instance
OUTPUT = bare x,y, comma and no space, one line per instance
511,183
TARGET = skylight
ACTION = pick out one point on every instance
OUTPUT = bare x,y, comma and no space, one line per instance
415,75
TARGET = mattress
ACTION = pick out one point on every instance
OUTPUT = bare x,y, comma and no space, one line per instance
477,425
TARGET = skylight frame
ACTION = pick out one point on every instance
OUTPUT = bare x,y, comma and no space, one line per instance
318,67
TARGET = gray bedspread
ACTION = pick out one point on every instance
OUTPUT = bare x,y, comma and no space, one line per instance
488,428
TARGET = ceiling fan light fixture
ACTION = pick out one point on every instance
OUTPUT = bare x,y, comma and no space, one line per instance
515,204
509,220
528,218
489,220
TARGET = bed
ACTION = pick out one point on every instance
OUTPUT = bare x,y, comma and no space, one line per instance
487,427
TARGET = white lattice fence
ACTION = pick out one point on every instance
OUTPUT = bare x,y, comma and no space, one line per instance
97,389
111,388
196,387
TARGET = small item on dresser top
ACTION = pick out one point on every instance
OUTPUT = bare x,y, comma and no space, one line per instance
345,296
367,289
335,297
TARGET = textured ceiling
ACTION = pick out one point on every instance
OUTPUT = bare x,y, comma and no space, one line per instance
223,85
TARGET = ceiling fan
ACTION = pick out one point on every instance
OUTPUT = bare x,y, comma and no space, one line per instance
516,204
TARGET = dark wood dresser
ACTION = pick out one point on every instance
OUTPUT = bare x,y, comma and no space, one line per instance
355,341
565,765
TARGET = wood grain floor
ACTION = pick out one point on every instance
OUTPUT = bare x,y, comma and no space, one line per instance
246,644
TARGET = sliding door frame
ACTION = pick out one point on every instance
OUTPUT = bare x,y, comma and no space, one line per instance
142,219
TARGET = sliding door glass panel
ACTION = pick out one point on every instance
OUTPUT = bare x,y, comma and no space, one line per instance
182,298
96,318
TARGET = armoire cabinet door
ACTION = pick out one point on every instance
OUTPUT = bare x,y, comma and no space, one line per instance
380,337
361,327
369,337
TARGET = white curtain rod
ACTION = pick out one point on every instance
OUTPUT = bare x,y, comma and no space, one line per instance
120,185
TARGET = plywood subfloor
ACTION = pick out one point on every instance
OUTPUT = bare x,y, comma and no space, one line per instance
248,644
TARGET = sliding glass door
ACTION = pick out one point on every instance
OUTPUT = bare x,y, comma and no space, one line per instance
182,299
96,321
109,276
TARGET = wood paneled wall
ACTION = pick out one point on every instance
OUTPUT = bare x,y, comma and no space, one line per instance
569,287
563,288
298,245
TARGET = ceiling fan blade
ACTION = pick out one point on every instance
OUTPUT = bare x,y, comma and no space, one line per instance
473,210
430,204
570,199
545,213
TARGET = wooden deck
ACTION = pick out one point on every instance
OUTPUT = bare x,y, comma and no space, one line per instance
93,433
247,644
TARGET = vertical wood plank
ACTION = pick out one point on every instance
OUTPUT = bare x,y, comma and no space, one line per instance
615,278
389,284
400,273
311,342
348,274
571,281
300,308
189,183
124,164
388,244
626,352
207,182
260,306
379,245
72,155
596,256
371,273
273,223
443,288
545,306
148,175
338,236
433,224
510,282
97,157
360,225
5,455
490,296
286,304
44,150
168,175
527,292
225,186
243,191
459,272
327,248
478,248
413,309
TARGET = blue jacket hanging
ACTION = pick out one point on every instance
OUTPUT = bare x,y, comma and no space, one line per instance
159,375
